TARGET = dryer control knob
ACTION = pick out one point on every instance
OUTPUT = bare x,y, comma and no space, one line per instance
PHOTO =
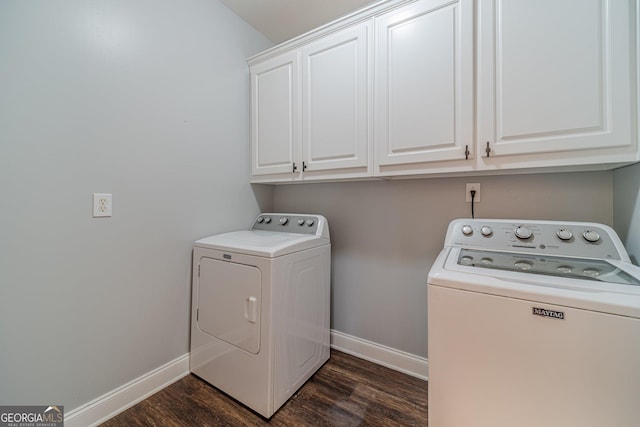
267,219
591,236
467,230
260,220
301,221
284,220
310,222
564,234
522,232
486,231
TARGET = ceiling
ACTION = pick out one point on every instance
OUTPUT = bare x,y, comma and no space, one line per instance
281,20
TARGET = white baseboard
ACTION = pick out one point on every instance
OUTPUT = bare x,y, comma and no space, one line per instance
124,397
397,360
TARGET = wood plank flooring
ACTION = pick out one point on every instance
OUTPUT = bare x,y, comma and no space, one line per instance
346,391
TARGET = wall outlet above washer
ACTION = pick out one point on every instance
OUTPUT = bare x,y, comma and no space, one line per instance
476,187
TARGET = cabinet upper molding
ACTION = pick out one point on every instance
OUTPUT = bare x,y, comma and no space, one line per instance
360,15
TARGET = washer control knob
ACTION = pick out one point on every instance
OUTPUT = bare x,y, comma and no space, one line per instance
591,236
284,220
301,221
565,269
523,265
466,260
467,230
486,231
591,272
267,219
564,234
522,232
310,222
260,220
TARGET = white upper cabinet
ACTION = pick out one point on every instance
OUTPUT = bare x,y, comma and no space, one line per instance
424,85
275,122
310,109
335,94
556,82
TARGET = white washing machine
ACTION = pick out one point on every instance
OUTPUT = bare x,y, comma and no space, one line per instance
261,307
533,323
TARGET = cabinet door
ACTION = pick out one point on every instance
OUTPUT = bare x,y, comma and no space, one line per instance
335,96
275,122
555,76
424,83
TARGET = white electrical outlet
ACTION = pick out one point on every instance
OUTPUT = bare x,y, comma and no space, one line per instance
476,187
102,205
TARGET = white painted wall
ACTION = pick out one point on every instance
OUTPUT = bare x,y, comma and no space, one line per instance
147,100
386,234
626,208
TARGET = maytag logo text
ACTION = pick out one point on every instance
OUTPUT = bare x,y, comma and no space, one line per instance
548,313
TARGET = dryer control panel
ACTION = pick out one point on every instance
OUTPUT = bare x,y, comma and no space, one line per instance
291,223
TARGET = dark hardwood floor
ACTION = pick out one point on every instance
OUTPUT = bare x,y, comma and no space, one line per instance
346,391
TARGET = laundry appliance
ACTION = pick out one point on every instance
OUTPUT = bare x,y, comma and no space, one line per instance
260,308
533,323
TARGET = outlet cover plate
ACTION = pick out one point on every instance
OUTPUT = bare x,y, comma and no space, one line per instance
474,186
102,205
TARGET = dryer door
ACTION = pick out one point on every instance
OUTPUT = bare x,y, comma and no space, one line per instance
229,299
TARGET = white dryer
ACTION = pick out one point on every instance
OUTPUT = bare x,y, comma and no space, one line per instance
261,307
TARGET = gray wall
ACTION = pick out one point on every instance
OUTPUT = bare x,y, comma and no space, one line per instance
626,208
386,235
144,99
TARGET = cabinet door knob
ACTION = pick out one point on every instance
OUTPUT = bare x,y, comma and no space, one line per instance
304,166
466,152
295,168
488,149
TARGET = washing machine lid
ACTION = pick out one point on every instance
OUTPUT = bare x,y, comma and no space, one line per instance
269,244
614,292
589,270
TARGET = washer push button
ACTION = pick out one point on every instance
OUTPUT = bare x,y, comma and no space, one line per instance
591,236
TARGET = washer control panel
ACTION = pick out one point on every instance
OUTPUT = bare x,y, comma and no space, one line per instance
575,239
288,223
